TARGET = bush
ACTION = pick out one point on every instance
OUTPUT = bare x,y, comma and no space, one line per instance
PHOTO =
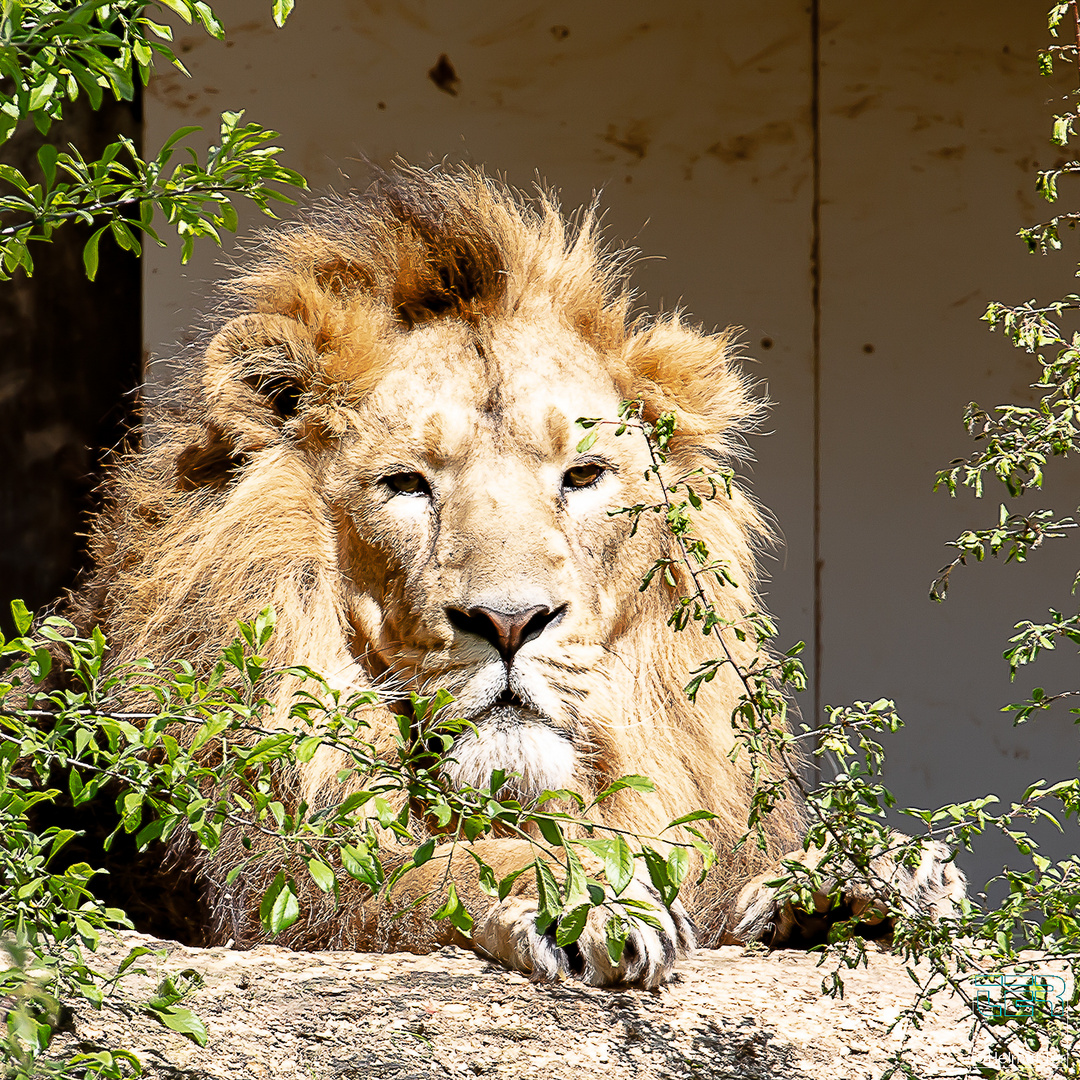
199,760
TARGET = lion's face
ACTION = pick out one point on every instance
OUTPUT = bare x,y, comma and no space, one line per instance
478,548
379,440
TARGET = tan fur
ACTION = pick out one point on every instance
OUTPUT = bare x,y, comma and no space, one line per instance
441,325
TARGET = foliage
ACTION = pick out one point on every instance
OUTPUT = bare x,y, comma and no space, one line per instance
54,51
852,848
85,743
51,53
850,840
222,773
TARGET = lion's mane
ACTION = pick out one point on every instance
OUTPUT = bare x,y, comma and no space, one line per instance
225,508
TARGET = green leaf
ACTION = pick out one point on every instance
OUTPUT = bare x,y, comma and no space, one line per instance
179,7
40,95
211,23
361,866
474,825
678,862
210,730
571,925
383,812
116,76
507,883
41,665
229,219
286,909
131,809
322,875
59,839
263,626
485,875
87,81
708,857
660,876
424,852
587,442
455,911
696,815
267,906
550,831
282,10
577,888
134,954
181,1020
124,237
175,987
161,30
549,903
642,912
15,178
143,54
149,832
172,140
47,155
619,864
21,616
272,748
615,934
560,794
306,748
90,253
633,782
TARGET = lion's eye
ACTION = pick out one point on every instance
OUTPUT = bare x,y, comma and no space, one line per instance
407,483
583,476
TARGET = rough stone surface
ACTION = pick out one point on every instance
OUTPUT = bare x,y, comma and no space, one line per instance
272,1013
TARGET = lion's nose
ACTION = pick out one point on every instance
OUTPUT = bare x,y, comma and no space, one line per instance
506,630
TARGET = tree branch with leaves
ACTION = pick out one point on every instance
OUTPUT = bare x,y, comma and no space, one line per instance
51,53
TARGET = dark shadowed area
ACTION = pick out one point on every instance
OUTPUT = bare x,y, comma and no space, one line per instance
70,361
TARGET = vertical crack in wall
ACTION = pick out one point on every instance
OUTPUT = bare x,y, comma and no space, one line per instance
815,338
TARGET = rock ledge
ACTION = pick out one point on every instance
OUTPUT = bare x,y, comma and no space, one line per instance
272,1013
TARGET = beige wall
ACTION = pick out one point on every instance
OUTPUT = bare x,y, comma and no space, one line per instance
696,121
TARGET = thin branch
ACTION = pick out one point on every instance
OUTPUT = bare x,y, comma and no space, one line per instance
858,858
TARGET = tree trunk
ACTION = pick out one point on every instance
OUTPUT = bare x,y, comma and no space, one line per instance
70,363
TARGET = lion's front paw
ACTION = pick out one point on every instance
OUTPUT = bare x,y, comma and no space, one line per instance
507,933
934,886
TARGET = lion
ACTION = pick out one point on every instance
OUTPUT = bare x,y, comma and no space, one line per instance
379,439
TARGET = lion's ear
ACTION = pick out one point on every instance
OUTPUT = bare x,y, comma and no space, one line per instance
281,392
681,369
257,370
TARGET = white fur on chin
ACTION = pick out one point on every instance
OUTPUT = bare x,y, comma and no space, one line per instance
544,759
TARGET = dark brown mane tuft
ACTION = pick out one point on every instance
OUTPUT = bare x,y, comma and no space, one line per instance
458,262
